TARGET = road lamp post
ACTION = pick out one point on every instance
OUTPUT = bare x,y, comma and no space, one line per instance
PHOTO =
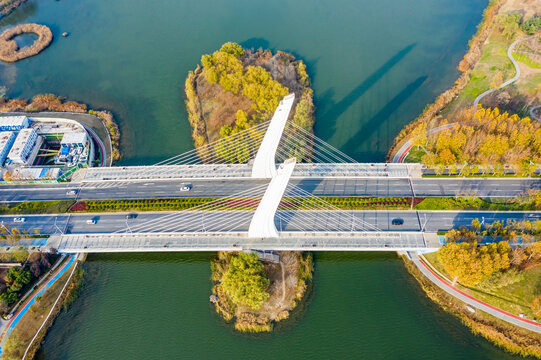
56,226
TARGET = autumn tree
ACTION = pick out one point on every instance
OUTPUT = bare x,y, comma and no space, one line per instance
418,135
497,80
536,306
470,263
491,139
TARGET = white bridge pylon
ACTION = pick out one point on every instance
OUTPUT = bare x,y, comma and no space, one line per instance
264,166
262,224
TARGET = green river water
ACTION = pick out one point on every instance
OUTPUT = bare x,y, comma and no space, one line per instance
374,66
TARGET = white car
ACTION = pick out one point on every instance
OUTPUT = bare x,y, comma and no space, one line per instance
72,192
19,220
91,222
187,187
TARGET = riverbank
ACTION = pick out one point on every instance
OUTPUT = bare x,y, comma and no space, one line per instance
28,326
7,6
496,53
288,277
502,334
48,105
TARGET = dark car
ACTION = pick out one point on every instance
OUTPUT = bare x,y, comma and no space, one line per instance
131,216
397,221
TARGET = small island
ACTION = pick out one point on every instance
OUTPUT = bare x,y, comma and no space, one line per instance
259,289
9,49
232,90
235,89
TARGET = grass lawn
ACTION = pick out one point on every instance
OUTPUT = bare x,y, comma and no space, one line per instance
493,60
511,293
528,61
414,155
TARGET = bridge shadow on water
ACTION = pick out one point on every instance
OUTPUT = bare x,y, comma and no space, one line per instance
339,108
377,120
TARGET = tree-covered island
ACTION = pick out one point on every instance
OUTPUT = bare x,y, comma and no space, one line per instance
257,294
232,90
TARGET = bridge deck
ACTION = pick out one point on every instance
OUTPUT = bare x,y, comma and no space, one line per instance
242,171
294,241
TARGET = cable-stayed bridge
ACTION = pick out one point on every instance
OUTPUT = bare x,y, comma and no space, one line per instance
273,216
254,153
270,213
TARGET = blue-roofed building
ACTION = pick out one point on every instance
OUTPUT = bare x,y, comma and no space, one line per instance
13,123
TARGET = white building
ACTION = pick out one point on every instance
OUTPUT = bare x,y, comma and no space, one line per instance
6,141
13,123
74,139
23,145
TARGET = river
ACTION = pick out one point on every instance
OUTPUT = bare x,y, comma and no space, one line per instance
374,66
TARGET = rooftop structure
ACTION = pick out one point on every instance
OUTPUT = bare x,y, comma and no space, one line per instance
23,145
35,173
6,141
77,138
13,123
74,148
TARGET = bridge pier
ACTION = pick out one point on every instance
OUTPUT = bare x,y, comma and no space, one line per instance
262,224
264,166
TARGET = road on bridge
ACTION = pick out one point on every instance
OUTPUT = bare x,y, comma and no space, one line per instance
505,187
429,221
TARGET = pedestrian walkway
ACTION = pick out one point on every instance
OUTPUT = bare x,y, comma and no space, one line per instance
470,300
31,300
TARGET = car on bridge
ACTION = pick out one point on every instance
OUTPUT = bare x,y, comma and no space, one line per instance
19,220
186,187
397,221
131,216
92,221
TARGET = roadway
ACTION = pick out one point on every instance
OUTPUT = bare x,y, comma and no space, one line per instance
301,221
484,187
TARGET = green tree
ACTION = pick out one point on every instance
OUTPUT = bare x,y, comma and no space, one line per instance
531,25
508,23
245,281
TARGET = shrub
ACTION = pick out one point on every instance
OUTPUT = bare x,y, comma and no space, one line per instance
531,25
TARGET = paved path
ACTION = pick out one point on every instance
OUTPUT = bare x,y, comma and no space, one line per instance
508,82
404,150
470,300
30,301
532,112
